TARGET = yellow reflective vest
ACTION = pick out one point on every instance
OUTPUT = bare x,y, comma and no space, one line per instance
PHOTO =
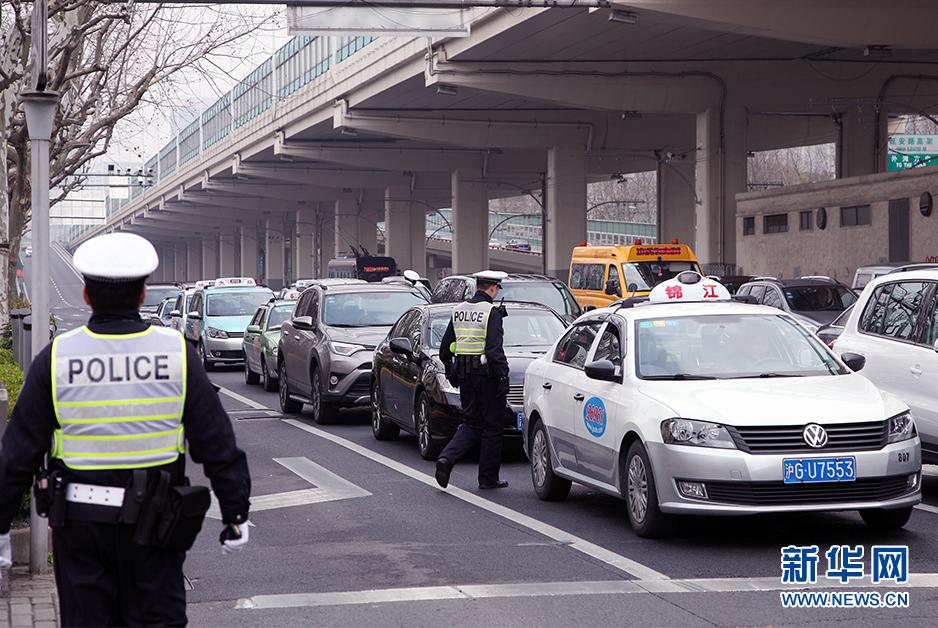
470,324
118,398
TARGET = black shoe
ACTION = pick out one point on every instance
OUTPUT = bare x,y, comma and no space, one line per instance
443,468
498,484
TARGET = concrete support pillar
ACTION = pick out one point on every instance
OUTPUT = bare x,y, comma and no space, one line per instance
326,214
209,257
371,210
182,255
273,260
304,236
856,148
194,263
676,208
249,251
405,228
346,225
227,254
566,208
720,176
163,272
470,222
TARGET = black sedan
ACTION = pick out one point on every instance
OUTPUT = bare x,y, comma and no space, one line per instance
409,389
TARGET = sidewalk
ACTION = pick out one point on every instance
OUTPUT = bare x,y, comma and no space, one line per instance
28,601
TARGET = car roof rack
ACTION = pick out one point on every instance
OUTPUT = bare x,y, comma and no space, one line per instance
818,277
909,267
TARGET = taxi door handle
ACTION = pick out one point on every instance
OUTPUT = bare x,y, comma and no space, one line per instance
578,396
546,385
915,370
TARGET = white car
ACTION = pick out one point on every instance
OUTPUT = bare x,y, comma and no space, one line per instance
688,402
894,326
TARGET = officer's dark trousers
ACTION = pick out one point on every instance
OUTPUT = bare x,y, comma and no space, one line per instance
483,421
105,580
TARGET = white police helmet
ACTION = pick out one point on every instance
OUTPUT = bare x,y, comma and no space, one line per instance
491,276
116,257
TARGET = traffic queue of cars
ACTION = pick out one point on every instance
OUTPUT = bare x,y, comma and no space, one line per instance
680,399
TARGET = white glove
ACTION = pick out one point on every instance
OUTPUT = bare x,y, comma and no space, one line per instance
6,551
234,546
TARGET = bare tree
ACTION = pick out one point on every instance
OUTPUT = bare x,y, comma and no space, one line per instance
105,58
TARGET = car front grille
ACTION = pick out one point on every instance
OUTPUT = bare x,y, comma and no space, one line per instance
361,387
235,334
516,395
790,439
806,494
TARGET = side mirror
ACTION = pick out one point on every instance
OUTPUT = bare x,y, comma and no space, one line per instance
176,314
854,360
402,346
253,329
612,287
603,370
195,315
303,322
633,287
588,308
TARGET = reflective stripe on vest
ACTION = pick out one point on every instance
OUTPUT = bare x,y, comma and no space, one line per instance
118,398
470,323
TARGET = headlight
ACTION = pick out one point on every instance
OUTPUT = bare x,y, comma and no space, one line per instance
344,348
274,351
687,432
901,427
216,333
445,383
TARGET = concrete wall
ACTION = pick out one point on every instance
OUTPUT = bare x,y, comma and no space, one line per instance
835,251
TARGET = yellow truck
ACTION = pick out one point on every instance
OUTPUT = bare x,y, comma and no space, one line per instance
598,273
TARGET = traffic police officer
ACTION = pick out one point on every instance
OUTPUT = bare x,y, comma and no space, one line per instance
112,397
472,353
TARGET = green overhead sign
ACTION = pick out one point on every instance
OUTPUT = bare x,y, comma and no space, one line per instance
911,151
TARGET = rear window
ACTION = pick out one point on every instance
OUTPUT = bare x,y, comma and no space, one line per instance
553,294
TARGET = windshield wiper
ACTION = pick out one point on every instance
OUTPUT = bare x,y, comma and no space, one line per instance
765,375
679,376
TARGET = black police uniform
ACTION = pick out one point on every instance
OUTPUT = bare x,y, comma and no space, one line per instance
104,579
482,391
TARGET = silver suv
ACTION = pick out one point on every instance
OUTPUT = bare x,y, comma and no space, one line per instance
894,325
326,347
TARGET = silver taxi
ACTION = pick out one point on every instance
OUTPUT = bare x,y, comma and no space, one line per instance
688,402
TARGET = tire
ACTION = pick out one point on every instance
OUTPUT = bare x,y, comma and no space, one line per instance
270,382
209,366
250,377
882,519
323,413
429,449
287,405
549,486
381,427
641,495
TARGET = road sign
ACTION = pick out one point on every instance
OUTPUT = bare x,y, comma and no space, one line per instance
912,151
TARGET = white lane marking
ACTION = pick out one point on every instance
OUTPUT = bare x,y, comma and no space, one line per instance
552,589
627,565
248,402
927,508
329,487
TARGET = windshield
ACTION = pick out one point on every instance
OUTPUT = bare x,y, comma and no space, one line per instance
156,295
815,299
365,309
554,295
236,303
729,347
643,276
278,315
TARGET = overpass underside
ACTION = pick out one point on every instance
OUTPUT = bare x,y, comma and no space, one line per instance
539,102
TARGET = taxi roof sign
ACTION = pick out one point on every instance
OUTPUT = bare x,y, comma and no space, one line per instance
689,287
234,281
292,295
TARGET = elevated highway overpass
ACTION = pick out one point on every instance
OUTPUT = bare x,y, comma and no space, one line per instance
333,135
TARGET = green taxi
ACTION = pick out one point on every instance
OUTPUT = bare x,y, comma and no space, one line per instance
261,338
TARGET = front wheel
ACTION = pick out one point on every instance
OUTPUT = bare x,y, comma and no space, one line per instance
323,413
290,406
882,519
642,496
209,366
381,427
548,485
250,377
429,449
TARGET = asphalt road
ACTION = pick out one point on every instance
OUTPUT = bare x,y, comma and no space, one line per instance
350,531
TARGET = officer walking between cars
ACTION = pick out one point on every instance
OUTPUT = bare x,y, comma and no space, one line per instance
103,420
472,353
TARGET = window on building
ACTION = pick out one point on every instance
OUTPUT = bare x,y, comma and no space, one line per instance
807,220
776,223
855,215
749,225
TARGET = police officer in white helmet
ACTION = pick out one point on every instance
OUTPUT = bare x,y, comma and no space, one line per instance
121,402
473,355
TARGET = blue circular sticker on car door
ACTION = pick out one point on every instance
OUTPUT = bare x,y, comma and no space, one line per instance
594,415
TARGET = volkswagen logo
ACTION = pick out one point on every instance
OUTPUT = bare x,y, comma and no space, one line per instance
815,435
